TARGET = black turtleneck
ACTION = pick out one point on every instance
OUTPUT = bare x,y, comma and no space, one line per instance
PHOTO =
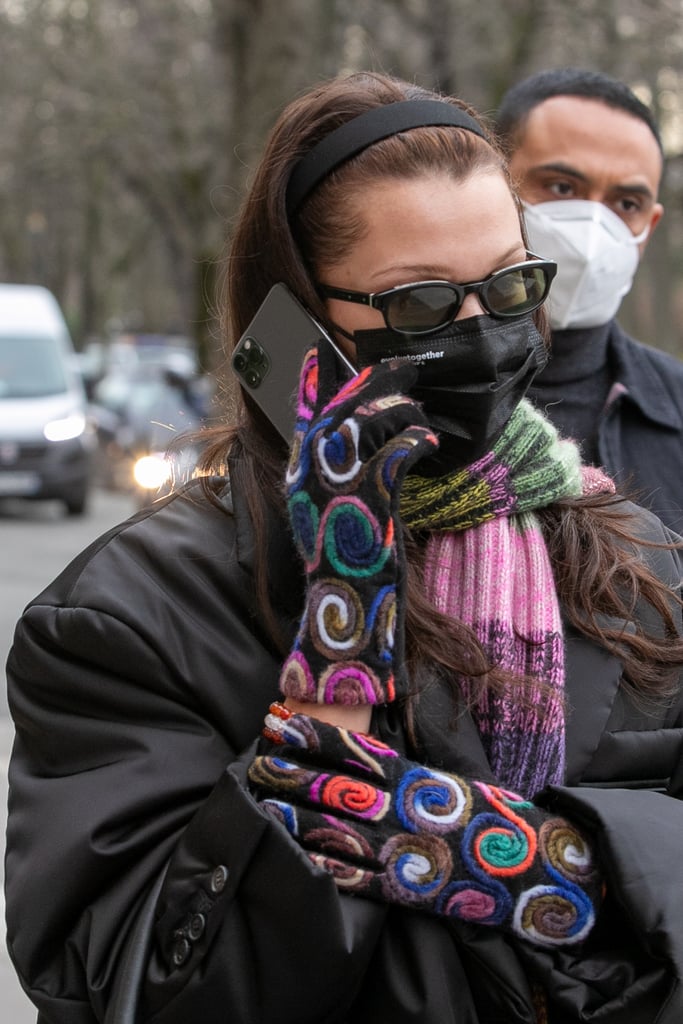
572,390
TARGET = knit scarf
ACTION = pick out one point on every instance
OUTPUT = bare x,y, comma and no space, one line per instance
487,565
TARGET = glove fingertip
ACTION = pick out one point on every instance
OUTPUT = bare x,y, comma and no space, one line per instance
402,371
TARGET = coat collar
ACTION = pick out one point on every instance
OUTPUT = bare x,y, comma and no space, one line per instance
643,379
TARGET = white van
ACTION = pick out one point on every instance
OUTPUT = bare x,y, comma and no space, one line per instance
46,445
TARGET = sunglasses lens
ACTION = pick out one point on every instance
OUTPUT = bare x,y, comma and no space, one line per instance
421,308
518,291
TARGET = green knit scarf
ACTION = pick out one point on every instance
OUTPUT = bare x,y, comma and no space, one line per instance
529,467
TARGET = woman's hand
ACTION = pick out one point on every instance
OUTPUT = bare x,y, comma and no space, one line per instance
393,830
349,458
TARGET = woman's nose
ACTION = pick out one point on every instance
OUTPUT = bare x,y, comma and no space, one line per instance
470,307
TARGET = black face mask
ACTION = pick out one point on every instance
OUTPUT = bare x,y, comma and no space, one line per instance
472,375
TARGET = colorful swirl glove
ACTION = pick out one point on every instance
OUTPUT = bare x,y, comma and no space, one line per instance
348,460
393,830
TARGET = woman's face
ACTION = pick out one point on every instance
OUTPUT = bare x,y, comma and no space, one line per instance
428,228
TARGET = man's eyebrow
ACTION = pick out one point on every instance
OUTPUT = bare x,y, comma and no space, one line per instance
641,190
561,168
571,172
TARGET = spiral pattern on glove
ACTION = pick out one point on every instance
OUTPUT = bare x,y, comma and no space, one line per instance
397,450
432,801
552,915
296,678
368,753
416,867
305,521
298,465
354,541
353,386
499,845
355,797
564,848
352,682
279,773
475,902
382,622
284,813
339,852
336,620
299,457
308,387
336,453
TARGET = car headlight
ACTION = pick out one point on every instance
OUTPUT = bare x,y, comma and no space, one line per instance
152,471
65,429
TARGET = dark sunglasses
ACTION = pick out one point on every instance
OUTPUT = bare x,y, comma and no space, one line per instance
427,306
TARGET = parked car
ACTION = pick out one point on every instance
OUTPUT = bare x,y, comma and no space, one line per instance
141,411
46,442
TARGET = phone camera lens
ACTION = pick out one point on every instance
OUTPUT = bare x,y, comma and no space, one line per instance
253,378
240,362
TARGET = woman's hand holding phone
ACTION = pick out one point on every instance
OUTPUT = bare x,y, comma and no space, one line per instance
350,454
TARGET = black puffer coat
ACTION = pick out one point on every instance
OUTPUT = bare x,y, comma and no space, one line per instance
138,683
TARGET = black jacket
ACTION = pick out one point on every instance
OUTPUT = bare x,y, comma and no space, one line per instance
640,431
138,682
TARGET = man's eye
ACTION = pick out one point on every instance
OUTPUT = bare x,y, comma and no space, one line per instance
561,189
629,206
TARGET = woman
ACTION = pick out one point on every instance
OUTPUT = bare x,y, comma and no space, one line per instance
461,807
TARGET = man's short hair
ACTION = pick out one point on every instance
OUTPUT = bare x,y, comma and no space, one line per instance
521,98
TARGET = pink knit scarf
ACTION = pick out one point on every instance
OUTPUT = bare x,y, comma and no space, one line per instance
497,578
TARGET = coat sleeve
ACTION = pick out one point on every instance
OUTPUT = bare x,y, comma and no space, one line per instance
128,727
631,968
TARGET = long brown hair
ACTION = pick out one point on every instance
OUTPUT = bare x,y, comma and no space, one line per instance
599,574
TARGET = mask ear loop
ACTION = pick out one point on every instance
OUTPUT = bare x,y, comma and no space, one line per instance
350,335
637,239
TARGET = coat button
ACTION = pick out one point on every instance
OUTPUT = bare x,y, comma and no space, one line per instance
197,926
181,952
219,877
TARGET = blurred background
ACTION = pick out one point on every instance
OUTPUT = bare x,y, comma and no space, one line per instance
130,128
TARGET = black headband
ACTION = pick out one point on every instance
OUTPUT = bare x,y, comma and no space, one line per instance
360,132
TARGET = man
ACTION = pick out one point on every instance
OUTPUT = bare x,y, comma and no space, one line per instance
587,158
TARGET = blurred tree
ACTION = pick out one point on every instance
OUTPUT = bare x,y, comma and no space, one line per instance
118,149
130,128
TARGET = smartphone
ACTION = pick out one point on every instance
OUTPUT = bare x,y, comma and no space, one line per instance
268,358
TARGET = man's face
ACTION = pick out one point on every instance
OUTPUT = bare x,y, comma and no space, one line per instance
576,148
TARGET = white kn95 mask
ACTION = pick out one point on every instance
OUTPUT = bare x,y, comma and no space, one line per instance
596,257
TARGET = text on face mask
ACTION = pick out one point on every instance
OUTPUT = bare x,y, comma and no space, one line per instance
413,357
